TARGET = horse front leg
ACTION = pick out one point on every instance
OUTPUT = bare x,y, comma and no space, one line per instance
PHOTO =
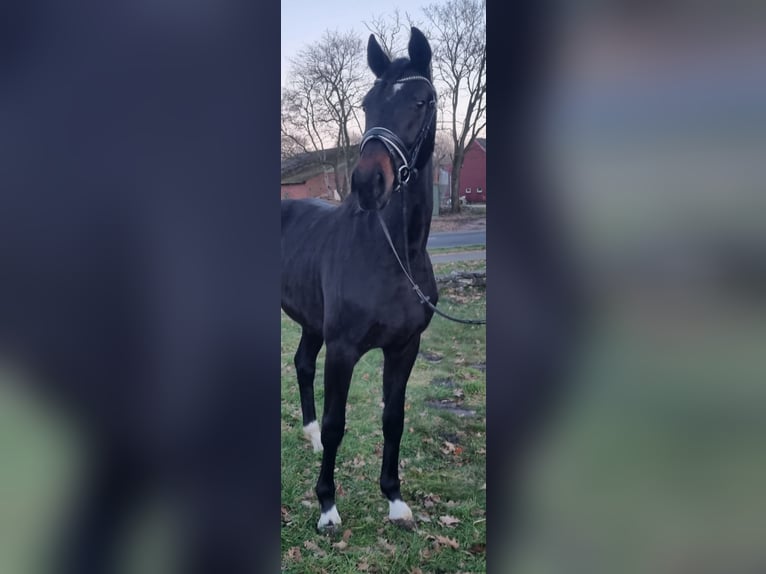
339,366
397,366
305,366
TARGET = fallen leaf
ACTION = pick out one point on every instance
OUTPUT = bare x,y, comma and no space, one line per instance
449,447
313,547
347,534
478,548
387,545
285,515
445,540
340,545
449,521
294,554
358,462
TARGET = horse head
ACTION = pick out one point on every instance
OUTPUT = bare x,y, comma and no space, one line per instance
400,122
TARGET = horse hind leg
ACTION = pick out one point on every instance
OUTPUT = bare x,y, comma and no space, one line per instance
305,366
397,366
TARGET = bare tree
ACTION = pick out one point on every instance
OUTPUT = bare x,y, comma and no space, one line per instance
458,36
443,148
323,96
392,31
302,125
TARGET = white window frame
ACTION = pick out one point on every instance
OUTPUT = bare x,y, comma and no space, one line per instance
467,190
478,190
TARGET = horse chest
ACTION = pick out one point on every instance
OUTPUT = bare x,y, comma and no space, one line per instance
373,313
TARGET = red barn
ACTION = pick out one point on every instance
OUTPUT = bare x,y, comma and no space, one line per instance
473,176
310,175
314,181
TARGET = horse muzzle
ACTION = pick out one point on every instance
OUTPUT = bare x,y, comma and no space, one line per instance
373,179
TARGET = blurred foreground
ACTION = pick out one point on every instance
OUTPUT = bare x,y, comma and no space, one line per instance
657,137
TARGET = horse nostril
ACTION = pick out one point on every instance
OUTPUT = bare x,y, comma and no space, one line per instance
379,179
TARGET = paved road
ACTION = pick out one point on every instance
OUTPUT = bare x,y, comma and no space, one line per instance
456,239
458,256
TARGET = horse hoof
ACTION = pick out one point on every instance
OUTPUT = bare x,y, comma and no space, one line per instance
404,524
329,520
400,514
314,434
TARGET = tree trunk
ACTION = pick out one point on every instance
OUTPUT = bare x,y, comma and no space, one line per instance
457,166
340,181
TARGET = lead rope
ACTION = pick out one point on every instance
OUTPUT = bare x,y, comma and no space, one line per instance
422,296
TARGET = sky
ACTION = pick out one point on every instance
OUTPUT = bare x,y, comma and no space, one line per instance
304,21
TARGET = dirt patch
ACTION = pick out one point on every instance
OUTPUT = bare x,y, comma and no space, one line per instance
443,382
431,357
451,437
451,406
459,222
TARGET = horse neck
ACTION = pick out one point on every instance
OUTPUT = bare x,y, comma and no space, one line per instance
418,195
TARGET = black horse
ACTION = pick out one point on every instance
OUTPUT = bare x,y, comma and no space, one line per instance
342,282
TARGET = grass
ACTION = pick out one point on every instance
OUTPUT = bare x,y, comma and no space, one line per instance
442,460
441,269
442,250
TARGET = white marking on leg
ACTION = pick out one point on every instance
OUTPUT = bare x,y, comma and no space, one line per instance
398,510
329,518
314,434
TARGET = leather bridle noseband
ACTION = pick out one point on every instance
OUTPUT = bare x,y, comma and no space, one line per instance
397,149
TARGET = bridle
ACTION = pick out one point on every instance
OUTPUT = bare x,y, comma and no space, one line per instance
398,151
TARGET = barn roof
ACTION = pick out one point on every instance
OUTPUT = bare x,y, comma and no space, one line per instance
302,167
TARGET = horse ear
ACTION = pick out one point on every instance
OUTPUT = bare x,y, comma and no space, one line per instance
377,59
419,51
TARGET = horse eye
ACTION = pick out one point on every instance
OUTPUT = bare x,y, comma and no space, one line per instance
420,103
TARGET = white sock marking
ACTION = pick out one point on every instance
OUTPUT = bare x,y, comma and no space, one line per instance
314,434
398,510
329,518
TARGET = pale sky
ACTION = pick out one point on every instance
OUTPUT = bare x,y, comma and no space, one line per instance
304,21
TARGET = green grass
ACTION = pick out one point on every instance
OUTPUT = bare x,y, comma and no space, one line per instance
443,250
441,269
442,461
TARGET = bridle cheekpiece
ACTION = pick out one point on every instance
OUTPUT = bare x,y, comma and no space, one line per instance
397,149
